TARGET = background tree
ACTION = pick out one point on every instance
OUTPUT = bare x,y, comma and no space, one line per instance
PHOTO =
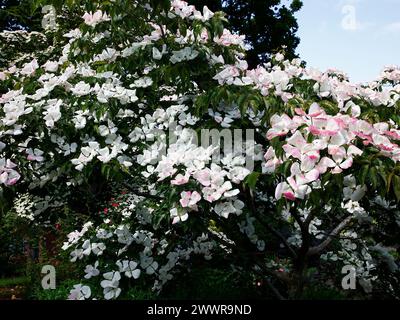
267,24
19,14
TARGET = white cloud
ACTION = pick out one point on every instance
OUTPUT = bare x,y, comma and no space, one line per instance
392,27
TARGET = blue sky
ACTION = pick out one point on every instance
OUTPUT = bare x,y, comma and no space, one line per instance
356,36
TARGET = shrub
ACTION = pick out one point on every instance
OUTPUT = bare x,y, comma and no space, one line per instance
308,180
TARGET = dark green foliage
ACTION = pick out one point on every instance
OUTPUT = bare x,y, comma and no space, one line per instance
19,14
267,24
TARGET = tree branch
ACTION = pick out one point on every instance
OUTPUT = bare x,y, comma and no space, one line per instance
271,229
277,234
319,248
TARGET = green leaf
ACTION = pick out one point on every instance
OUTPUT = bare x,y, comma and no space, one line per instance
252,179
396,187
373,177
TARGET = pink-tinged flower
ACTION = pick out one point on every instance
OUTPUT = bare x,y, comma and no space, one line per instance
388,148
35,155
227,39
324,164
381,127
308,161
165,169
203,176
343,160
299,177
92,19
312,175
352,150
362,126
280,126
204,35
12,178
394,134
272,161
294,145
320,144
315,111
300,112
79,292
189,199
283,190
325,127
30,68
297,140
216,191
8,176
299,186
342,166
379,139
367,139
180,180
227,75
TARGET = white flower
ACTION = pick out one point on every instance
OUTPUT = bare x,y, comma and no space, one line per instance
105,155
207,14
98,248
148,264
81,89
79,120
238,174
86,248
92,19
30,68
178,215
50,66
129,267
224,209
52,113
124,235
143,82
92,271
69,148
79,292
103,234
157,54
76,254
108,54
189,199
111,285
352,207
184,54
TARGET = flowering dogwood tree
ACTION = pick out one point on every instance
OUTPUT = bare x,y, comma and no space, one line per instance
289,173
